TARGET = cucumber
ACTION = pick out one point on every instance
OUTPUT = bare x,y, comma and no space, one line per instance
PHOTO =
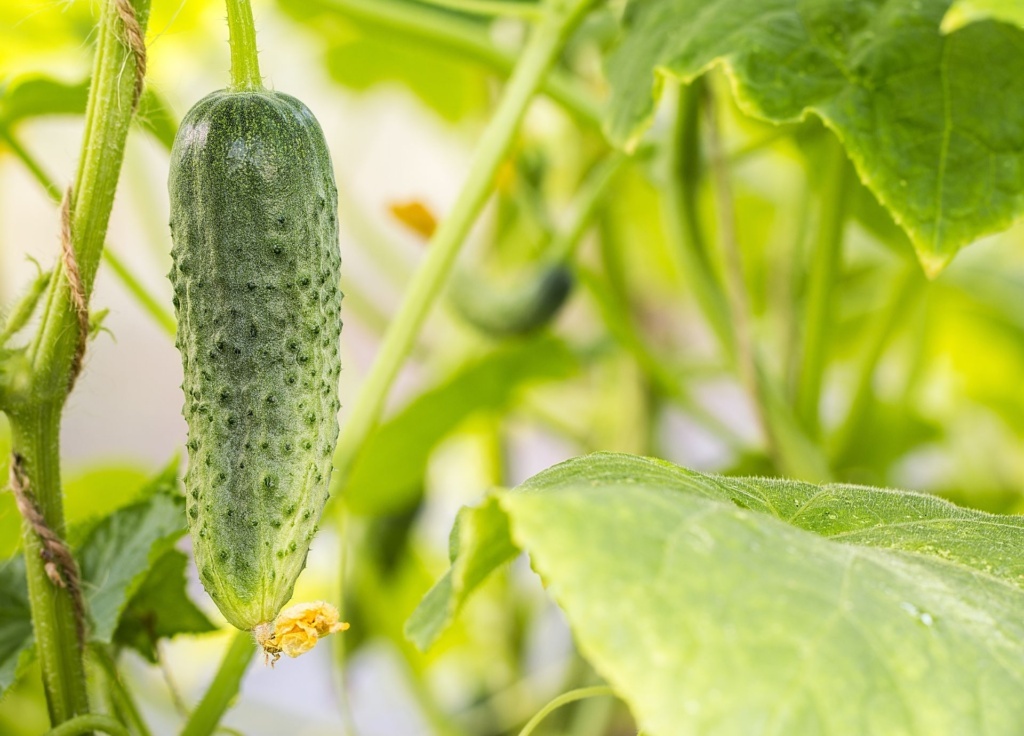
254,221
516,305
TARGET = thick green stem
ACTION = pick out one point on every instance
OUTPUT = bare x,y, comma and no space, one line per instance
35,410
245,63
546,42
107,119
404,21
681,214
34,437
224,687
88,724
825,263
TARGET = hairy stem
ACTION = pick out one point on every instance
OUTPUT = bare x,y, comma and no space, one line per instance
224,687
245,62
546,42
34,409
34,438
825,264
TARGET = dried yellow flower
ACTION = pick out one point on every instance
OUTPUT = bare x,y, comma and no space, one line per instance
297,629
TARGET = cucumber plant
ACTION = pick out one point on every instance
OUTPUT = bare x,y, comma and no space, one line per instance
762,207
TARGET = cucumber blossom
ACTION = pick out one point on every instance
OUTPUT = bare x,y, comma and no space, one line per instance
255,274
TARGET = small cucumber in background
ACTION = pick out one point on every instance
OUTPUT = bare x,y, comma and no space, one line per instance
254,220
516,306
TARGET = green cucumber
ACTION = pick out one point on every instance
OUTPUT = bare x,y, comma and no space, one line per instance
255,274
516,305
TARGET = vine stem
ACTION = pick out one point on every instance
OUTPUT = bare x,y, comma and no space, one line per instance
903,292
546,42
792,451
825,264
121,700
496,8
224,687
245,62
564,699
87,724
681,214
35,398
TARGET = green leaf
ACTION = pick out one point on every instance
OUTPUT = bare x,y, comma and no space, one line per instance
965,12
119,551
379,484
372,42
36,95
480,542
161,608
16,637
731,605
931,121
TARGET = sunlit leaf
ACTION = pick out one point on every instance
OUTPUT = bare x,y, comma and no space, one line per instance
738,605
119,551
931,121
965,12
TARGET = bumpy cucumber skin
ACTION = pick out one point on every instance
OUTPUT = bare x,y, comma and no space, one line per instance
254,220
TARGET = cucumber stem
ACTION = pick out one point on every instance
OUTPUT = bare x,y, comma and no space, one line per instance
545,44
88,724
564,699
224,688
34,406
825,264
245,62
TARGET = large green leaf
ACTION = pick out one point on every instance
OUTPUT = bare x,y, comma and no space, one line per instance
389,474
131,577
964,12
118,552
931,121
16,637
724,605
161,608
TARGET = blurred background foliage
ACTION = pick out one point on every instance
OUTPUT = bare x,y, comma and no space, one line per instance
921,387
